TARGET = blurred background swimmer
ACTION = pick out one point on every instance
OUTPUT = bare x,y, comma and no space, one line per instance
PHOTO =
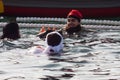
11,30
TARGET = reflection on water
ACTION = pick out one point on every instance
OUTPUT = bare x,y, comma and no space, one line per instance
94,56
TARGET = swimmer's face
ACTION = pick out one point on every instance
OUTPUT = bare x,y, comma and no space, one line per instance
72,22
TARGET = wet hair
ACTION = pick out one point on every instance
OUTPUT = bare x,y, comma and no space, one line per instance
11,31
53,39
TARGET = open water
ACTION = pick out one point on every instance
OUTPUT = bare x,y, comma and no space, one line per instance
92,57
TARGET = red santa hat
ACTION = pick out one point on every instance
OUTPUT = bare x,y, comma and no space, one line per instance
75,13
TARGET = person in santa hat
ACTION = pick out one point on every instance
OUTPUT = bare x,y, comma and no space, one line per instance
72,27
73,24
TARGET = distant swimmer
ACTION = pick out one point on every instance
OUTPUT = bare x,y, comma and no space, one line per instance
11,30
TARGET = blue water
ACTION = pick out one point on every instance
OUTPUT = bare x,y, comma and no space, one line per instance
95,56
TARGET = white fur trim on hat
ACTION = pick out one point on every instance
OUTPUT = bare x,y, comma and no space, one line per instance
58,48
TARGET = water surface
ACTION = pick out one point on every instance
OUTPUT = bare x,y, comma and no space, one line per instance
93,57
